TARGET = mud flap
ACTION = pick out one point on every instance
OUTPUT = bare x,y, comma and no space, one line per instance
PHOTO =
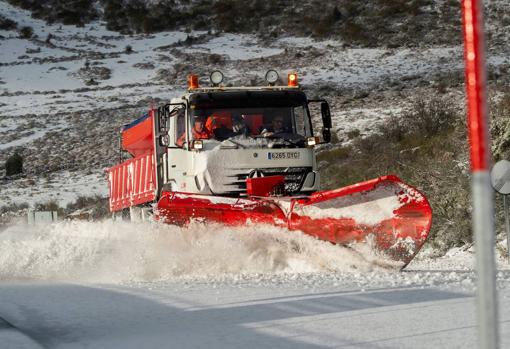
389,215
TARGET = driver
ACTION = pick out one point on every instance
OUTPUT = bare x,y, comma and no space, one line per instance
197,132
240,126
277,127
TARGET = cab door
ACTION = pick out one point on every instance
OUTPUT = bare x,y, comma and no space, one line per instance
178,158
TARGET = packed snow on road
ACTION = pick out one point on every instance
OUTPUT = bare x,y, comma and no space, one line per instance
126,285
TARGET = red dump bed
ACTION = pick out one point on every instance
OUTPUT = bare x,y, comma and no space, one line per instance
137,136
132,182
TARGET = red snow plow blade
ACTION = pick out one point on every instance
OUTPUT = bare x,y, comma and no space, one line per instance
390,216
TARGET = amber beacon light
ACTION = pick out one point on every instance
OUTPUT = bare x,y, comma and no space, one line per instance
292,80
192,81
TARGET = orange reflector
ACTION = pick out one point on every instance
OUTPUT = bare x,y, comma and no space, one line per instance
192,81
292,80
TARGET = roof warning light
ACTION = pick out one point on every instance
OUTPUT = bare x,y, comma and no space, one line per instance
192,81
292,80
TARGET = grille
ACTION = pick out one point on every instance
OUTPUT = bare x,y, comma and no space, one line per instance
294,178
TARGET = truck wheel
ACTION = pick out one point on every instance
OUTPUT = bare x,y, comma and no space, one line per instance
126,215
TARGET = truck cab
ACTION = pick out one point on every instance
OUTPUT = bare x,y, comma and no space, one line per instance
211,140
243,141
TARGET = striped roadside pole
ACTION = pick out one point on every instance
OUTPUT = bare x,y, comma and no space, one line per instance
483,204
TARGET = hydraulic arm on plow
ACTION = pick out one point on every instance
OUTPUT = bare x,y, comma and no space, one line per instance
239,155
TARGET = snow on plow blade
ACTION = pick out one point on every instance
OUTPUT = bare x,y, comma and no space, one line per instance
393,217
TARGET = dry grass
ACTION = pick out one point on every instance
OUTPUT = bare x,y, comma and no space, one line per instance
96,207
425,146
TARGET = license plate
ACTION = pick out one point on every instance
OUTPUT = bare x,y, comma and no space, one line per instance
291,155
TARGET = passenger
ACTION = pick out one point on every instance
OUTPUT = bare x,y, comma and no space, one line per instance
219,119
197,132
254,123
277,127
220,125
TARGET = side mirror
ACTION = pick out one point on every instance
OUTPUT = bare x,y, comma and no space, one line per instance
326,135
326,119
166,112
164,141
174,110
326,115
161,121
326,122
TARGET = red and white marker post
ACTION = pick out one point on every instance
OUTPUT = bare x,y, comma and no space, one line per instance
483,202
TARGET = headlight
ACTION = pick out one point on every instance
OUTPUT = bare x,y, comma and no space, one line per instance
311,141
271,77
197,145
216,77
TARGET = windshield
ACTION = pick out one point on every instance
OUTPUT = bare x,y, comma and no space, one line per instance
290,124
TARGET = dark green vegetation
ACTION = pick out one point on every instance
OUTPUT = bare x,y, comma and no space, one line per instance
14,165
7,24
26,32
375,23
77,12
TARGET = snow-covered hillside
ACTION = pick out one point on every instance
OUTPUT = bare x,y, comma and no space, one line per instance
64,94
66,82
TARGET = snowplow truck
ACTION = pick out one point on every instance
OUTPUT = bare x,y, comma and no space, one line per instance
246,155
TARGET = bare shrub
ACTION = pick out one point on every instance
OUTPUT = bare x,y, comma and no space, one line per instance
500,127
334,138
215,58
26,32
89,207
7,24
14,165
429,117
95,73
50,205
426,147
334,154
14,207
392,129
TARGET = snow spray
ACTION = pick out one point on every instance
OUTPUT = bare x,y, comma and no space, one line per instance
117,252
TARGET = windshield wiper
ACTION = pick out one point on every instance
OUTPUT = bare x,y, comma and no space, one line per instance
282,137
237,143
